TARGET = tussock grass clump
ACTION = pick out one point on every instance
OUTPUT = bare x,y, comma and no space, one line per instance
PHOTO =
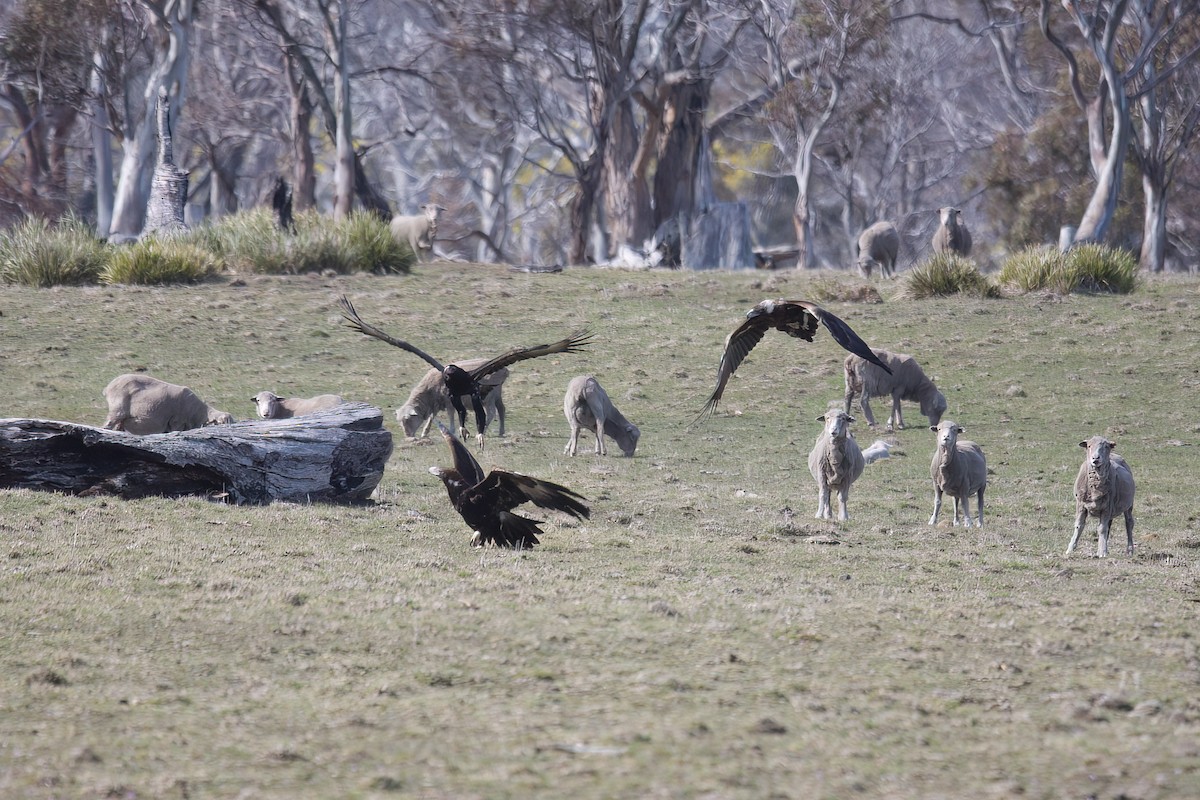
1088,268
828,291
251,242
36,253
159,261
946,274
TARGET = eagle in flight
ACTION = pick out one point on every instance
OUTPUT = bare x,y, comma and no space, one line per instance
486,502
460,382
798,318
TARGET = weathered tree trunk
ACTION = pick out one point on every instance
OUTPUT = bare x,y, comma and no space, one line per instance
337,456
101,135
304,174
718,238
168,191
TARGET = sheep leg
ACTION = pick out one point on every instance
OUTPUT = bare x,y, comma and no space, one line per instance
823,510
1129,532
896,417
573,441
961,504
864,402
1080,521
601,450
499,406
424,431
979,506
937,505
843,502
1102,539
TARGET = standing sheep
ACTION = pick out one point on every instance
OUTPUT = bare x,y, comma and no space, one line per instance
907,381
272,406
419,231
142,405
1103,489
958,469
586,405
430,396
835,463
951,235
878,244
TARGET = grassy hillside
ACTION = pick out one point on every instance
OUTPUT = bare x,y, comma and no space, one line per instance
700,636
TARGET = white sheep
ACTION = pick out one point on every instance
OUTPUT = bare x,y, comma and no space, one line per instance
418,231
429,397
272,406
951,235
878,244
142,405
907,382
835,463
1103,489
958,469
586,405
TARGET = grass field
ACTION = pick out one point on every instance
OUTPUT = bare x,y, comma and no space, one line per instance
701,636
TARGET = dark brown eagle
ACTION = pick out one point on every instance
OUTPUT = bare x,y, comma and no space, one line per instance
798,318
486,503
459,382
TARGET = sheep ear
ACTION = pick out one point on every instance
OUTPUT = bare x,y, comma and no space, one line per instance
1083,443
933,428
1112,445
821,418
959,429
850,418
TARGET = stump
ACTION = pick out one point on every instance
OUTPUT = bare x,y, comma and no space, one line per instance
333,456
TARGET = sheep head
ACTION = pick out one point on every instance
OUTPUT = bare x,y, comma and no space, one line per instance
268,404
1098,450
947,431
410,419
934,407
837,424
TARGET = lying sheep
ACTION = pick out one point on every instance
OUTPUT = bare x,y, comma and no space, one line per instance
951,235
1103,489
878,451
419,231
586,405
272,406
835,462
142,405
429,397
878,244
958,469
907,382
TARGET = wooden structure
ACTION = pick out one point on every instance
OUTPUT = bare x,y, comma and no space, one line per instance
334,456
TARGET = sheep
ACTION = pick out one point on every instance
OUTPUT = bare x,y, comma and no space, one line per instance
879,450
835,462
958,469
907,382
1103,489
419,231
878,244
429,397
586,405
951,235
142,405
272,406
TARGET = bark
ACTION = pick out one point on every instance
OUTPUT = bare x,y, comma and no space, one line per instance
345,161
337,455
102,136
304,174
168,192
718,238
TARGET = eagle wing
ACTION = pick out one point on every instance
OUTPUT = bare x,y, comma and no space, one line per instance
842,333
464,463
510,489
738,345
572,344
356,322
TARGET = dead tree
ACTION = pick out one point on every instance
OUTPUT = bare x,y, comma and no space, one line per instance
333,456
168,192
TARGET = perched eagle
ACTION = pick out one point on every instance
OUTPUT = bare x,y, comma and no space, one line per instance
798,318
459,382
486,503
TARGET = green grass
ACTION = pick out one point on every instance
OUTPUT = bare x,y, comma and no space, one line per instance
948,274
1087,268
700,636
35,253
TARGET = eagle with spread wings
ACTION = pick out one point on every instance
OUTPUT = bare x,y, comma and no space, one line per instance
462,383
486,502
798,318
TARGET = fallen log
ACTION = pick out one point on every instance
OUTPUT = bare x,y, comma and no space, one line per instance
333,456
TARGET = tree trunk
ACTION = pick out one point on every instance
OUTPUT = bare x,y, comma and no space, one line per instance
718,238
680,152
102,137
1102,206
1154,226
337,455
168,192
343,171
304,174
626,196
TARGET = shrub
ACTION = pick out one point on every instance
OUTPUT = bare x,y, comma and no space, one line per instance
370,247
159,261
948,273
249,241
1088,267
36,253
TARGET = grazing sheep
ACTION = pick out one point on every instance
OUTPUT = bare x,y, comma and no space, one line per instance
878,451
835,462
586,405
878,244
429,397
907,382
141,405
958,469
1103,489
272,406
419,231
951,235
